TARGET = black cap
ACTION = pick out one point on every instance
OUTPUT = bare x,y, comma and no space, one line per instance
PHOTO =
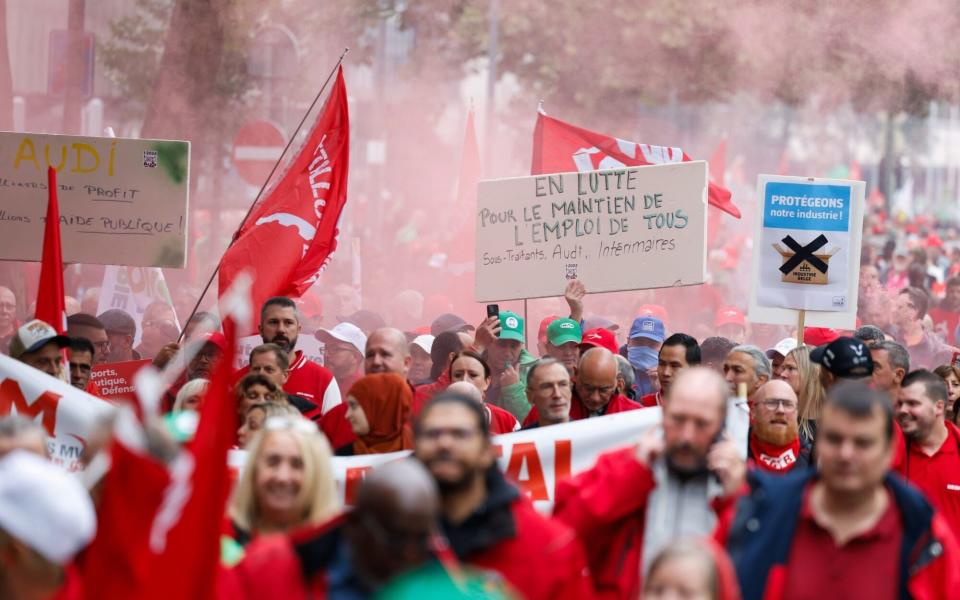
448,322
844,357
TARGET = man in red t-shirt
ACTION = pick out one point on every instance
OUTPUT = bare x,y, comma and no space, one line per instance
280,325
932,460
678,352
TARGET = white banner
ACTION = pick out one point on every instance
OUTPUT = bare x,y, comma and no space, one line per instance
68,414
306,343
536,459
132,289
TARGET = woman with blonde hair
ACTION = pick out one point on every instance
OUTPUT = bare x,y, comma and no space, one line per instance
190,396
951,378
803,375
287,481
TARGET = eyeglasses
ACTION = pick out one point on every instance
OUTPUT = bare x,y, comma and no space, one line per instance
281,423
773,404
102,346
459,434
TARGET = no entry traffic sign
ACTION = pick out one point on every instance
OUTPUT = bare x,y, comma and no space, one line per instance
256,148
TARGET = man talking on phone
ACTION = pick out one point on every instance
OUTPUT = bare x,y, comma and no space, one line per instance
679,480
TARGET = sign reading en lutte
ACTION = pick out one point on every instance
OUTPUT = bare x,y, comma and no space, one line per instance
615,230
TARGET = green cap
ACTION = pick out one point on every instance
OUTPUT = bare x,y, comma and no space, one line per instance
511,326
561,331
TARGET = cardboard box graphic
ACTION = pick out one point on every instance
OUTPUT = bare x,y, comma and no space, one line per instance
805,272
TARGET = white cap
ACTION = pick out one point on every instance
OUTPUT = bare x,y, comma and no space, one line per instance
345,332
33,335
424,341
44,507
783,347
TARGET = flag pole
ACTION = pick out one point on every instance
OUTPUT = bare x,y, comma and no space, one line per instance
233,238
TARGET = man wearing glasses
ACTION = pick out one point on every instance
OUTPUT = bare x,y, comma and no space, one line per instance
82,325
595,392
489,523
775,444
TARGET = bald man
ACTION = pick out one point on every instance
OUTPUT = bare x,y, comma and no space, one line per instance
595,392
679,480
467,389
775,444
387,352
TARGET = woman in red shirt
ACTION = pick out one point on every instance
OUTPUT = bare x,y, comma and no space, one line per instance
469,366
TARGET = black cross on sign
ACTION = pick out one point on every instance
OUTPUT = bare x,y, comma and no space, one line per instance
804,253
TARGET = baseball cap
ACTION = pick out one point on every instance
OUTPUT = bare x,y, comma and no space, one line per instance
33,335
819,336
729,316
344,332
425,342
599,323
511,326
783,347
844,357
44,507
366,320
448,322
600,337
650,328
653,310
562,331
118,321
544,323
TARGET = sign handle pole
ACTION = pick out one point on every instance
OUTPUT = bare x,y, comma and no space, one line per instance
233,238
801,318
525,322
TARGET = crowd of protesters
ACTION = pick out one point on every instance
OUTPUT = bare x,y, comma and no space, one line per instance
850,486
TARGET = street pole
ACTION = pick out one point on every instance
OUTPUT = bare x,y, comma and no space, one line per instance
73,94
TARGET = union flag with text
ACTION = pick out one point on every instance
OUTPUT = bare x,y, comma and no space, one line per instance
292,232
559,147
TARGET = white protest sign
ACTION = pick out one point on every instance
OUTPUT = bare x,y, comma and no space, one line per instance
807,255
132,289
68,414
615,230
307,344
122,201
537,459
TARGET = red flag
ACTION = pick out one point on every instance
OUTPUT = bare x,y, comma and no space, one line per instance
462,252
185,536
718,164
51,307
291,234
559,147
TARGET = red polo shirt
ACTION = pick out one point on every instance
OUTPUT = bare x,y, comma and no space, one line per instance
937,476
651,400
864,567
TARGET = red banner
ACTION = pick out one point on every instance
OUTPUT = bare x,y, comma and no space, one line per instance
115,380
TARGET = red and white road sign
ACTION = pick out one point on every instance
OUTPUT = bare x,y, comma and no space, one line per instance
256,148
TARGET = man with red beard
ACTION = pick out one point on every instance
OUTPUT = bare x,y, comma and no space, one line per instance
775,445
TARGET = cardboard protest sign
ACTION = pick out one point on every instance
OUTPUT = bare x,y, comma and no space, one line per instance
115,380
122,201
68,414
807,251
132,289
621,229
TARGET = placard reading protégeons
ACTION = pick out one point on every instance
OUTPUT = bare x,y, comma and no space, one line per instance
805,246
621,229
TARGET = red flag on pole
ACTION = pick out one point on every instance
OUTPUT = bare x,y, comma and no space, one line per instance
51,306
559,147
462,252
185,535
291,234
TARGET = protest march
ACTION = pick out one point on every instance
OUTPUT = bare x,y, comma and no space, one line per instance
284,313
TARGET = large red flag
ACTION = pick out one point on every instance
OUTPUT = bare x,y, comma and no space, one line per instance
559,147
462,252
51,307
185,535
291,234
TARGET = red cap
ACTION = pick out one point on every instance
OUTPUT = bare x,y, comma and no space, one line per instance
542,334
818,336
601,338
729,316
217,339
653,310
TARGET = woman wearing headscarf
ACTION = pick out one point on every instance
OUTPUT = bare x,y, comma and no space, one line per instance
378,410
